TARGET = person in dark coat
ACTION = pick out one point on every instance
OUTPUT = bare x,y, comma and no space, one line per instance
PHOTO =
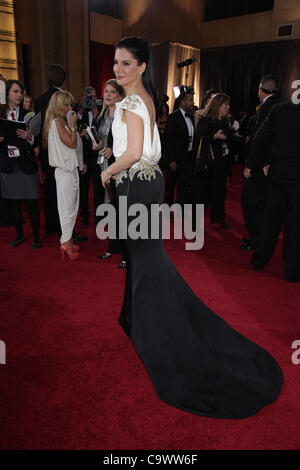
280,132
179,148
18,168
56,80
254,188
88,118
5,204
214,130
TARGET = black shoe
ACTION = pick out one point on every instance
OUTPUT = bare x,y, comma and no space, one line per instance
16,242
247,247
79,238
292,279
105,256
36,245
257,267
122,264
223,225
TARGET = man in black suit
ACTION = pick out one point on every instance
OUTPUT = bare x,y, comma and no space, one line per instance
280,131
254,188
179,148
88,118
56,79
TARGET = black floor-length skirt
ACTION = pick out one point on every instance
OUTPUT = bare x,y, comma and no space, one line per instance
196,361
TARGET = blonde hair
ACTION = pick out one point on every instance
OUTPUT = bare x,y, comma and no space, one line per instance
112,82
56,110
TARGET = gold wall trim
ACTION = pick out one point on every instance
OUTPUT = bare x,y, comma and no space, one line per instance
9,64
7,4
9,7
7,61
5,32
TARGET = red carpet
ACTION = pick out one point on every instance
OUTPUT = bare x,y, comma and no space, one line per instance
72,379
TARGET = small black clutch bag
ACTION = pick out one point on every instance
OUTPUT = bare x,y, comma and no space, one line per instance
111,189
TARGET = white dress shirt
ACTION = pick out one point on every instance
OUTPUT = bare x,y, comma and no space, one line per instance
190,128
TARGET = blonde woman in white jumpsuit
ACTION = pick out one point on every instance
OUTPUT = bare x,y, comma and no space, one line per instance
62,141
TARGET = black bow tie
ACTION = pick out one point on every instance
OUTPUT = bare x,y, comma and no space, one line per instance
188,115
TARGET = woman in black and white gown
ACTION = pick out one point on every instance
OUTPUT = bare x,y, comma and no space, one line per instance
196,361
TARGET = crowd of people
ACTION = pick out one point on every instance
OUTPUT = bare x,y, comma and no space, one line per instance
63,153
199,148
195,360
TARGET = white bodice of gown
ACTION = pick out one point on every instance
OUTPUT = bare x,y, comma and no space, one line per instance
151,150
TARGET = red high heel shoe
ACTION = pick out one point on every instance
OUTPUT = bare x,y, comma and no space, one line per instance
71,254
75,248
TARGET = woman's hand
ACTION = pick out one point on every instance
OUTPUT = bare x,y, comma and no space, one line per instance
247,173
85,168
106,152
220,135
105,176
26,135
1,139
97,146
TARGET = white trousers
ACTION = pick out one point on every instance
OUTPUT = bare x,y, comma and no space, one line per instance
67,187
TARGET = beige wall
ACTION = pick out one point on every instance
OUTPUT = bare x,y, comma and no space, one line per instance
181,21
158,20
164,20
58,31
286,11
8,51
104,29
76,28
237,30
258,27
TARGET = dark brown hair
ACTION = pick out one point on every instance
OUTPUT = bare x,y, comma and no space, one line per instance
215,105
141,50
56,75
8,85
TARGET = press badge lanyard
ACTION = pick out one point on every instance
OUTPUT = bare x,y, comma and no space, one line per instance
13,152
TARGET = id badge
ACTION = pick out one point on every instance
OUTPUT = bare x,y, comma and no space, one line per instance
13,152
100,159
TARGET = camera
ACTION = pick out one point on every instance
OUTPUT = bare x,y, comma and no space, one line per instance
89,102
